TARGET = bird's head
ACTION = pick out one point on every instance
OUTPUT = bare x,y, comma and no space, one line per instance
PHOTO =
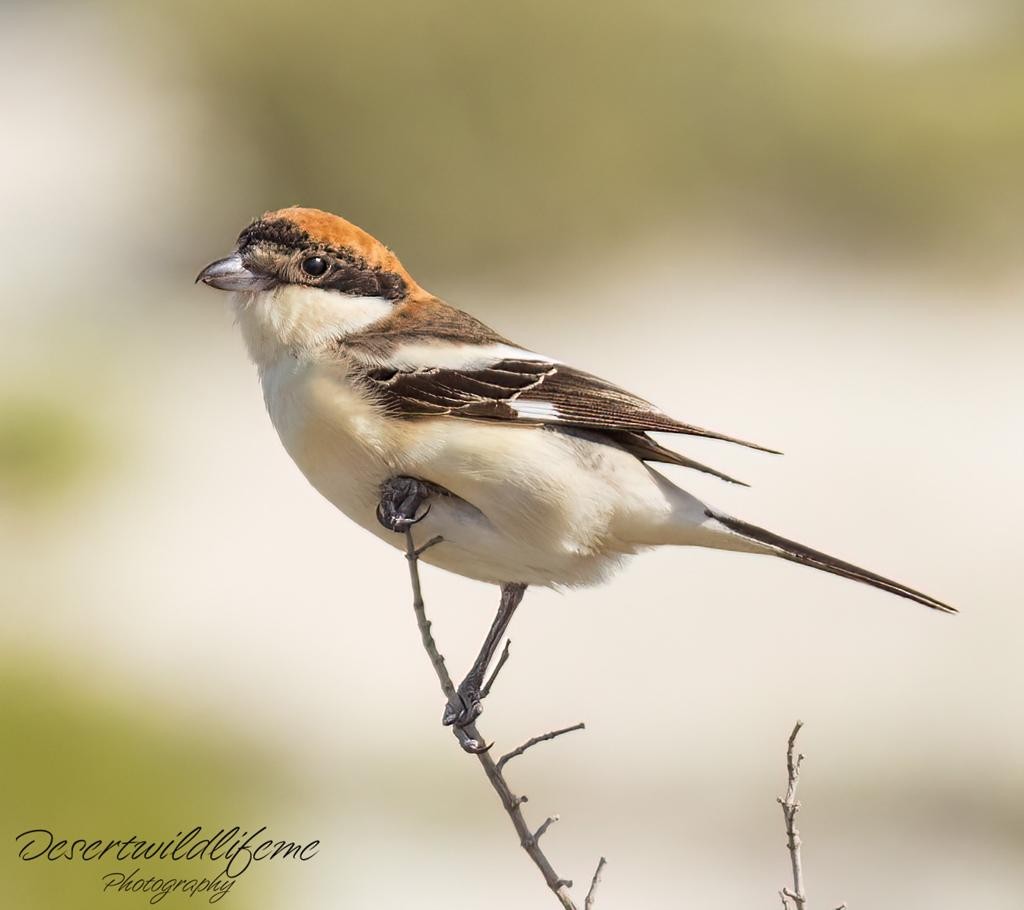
301,275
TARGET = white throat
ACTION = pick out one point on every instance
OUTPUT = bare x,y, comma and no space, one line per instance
294,319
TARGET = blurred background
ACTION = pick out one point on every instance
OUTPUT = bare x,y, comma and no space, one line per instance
797,222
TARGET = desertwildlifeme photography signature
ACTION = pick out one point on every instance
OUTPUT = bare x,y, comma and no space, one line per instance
235,848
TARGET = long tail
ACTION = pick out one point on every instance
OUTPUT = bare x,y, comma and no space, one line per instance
767,542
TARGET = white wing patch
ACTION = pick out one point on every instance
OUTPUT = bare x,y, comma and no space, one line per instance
535,410
445,355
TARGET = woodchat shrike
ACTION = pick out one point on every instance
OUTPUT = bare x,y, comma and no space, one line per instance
398,407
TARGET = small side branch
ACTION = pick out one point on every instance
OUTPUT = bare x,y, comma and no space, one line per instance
548,822
493,770
486,690
533,741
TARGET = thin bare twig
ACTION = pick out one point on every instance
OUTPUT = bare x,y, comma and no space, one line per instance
790,807
493,770
486,690
548,822
588,904
430,543
530,743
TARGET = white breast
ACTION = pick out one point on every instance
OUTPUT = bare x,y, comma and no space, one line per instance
331,431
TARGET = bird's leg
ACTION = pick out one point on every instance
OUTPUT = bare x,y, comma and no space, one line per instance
464,707
402,501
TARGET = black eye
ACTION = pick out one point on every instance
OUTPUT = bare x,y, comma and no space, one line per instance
314,265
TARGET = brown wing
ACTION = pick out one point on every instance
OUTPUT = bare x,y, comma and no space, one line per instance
531,391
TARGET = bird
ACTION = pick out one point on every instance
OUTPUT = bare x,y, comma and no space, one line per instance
400,408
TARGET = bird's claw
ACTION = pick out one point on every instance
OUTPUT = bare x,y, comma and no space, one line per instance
401,504
469,744
464,706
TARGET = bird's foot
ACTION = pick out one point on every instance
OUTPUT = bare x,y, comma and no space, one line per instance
469,744
403,503
465,706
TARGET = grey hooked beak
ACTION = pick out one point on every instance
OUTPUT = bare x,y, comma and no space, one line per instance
230,274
